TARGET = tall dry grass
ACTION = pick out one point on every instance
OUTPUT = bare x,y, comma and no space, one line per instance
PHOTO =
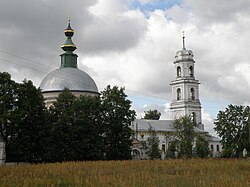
193,172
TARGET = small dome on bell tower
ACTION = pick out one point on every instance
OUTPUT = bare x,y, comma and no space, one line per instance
184,54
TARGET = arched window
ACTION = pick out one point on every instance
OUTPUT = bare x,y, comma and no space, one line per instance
163,147
217,148
178,94
194,117
178,71
192,94
191,71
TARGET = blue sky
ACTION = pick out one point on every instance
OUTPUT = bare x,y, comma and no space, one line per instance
157,4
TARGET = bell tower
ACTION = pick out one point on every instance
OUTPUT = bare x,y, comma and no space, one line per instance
185,88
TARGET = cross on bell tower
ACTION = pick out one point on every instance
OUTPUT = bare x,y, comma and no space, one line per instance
185,89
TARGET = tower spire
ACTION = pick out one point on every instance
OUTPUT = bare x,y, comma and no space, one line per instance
68,58
183,40
69,46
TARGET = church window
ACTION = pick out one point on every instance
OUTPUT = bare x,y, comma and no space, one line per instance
212,147
163,148
178,71
191,71
217,148
194,117
178,94
192,94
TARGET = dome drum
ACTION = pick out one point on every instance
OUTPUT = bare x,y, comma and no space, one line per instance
51,96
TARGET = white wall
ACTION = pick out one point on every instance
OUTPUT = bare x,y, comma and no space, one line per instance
215,148
2,151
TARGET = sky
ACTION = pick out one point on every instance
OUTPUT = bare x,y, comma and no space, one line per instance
132,44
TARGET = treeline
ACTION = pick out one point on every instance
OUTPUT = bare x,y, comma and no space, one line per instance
73,129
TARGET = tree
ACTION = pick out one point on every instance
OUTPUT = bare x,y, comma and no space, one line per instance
201,148
172,149
87,140
172,144
8,96
62,119
153,150
152,114
185,134
22,120
231,126
87,128
117,117
29,141
76,128
73,129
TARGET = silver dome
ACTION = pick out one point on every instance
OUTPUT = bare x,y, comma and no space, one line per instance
184,55
71,78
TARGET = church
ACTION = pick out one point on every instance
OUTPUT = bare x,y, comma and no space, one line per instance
185,97
185,102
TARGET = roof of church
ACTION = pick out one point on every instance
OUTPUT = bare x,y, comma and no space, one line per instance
158,125
72,78
135,141
68,75
214,139
184,54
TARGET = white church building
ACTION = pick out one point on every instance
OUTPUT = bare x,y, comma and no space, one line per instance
185,96
185,102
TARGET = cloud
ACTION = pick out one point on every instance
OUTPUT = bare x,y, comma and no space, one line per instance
123,46
181,15
34,30
166,114
208,123
113,28
145,67
217,12
147,1
219,52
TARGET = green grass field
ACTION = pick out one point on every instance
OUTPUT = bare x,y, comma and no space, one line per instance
193,172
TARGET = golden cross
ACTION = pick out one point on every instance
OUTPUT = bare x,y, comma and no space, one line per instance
69,17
